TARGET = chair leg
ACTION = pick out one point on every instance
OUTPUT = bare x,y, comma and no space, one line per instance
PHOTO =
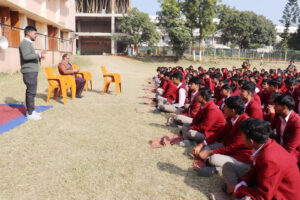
91,84
55,93
104,88
49,94
64,94
120,87
117,88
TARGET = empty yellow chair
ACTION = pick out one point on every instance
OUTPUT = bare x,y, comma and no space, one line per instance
114,78
86,75
55,83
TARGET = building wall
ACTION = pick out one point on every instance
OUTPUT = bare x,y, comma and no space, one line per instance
57,13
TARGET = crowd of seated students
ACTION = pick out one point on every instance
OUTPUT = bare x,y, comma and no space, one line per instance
243,122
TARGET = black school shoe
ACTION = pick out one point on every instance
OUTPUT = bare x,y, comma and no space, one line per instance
207,171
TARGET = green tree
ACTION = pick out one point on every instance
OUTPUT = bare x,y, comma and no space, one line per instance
294,41
139,29
172,23
206,13
246,29
190,11
290,16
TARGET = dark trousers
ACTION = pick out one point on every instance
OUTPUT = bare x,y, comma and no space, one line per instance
80,83
30,80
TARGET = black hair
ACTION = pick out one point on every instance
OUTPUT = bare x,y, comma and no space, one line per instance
225,81
205,93
285,100
217,76
167,74
235,103
178,75
195,80
65,55
249,86
256,129
29,29
291,81
242,82
235,78
275,82
190,76
227,87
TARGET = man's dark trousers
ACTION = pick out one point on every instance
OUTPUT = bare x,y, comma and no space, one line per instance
30,80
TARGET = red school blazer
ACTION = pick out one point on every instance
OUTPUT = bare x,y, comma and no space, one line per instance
254,109
170,92
273,175
209,120
234,145
193,109
291,134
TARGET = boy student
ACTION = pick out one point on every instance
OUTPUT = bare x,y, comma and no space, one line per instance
187,115
209,120
287,125
179,93
29,68
252,108
169,94
226,146
225,93
273,174
165,77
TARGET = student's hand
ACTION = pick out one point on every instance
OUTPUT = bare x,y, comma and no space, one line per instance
198,149
230,188
205,154
271,109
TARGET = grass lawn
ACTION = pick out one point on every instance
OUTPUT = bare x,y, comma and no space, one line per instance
97,147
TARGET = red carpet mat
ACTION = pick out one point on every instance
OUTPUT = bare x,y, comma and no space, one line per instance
13,115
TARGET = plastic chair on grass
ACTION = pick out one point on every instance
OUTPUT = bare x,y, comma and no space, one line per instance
86,75
55,83
114,78
70,79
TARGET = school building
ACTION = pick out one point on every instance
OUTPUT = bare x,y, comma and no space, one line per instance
96,25
55,24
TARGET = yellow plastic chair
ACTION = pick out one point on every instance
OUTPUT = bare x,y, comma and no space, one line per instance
71,80
55,83
114,78
86,75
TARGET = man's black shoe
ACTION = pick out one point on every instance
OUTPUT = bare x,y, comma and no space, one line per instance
79,96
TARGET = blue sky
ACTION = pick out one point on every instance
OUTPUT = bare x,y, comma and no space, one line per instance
272,9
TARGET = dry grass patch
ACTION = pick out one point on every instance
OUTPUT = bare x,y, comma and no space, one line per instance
95,147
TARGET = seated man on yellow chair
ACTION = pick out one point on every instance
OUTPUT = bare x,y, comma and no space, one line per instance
65,68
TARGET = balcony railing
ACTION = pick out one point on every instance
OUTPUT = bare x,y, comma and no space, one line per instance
43,42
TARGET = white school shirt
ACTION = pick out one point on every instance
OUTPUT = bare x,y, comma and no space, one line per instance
283,125
182,97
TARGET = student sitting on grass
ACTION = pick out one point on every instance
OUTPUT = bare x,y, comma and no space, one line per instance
252,108
273,174
186,115
179,93
169,94
226,146
287,125
225,94
209,120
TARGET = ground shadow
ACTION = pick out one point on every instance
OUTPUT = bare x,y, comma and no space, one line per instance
190,177
173,130
11,100
44,98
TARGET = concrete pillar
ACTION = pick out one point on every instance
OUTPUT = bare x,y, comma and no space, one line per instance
113,19
57,14
44,8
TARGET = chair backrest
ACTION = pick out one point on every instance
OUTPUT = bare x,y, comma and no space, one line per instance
58,70
50,74
104,72
75,67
